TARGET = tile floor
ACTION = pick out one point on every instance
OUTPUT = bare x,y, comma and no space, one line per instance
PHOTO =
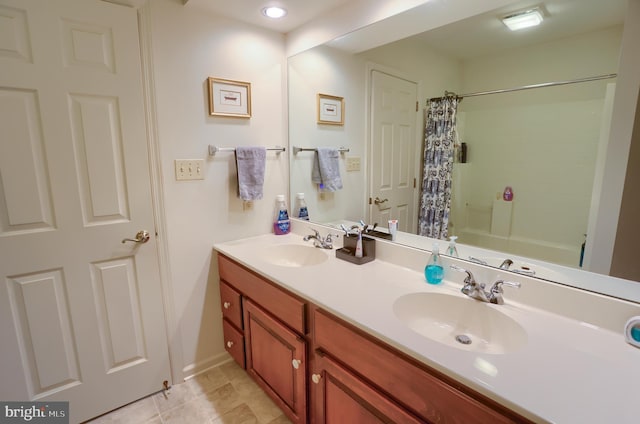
222,395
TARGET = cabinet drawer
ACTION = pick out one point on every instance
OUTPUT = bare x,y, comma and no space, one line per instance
233,342
422,392
231,304
280,304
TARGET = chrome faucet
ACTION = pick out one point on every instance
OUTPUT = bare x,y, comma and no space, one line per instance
506,264
475,290
319,241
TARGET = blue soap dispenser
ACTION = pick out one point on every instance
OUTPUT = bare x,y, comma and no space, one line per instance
434,272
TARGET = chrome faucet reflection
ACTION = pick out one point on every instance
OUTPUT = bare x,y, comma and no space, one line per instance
476,290
319,241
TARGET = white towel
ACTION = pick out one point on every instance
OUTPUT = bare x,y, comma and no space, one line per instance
326,168
250,162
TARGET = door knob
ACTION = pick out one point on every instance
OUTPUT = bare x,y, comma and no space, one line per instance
377,201
142,236
296,363
316,378
229,344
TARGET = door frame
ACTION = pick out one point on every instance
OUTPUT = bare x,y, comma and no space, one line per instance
368,148
172,329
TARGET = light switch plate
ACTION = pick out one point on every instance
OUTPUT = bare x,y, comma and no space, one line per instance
189,169
353,163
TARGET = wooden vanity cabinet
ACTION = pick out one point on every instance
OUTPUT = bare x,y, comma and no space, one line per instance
271,325
353,373
352,377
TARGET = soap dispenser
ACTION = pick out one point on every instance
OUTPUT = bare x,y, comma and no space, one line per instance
452,250
434,272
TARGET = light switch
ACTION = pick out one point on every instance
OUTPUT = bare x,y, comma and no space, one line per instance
189,169
353,163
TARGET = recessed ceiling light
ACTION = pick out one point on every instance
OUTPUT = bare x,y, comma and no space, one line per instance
523,20
274,12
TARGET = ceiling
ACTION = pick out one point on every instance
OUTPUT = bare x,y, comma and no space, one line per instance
250,11
472,37
483,34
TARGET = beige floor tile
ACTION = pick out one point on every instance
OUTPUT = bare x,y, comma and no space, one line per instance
223,395
264,408
191,412
241,414
179,394
232,370
220,400
135,413
282,419
208,381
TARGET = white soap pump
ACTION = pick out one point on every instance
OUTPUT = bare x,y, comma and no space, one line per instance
452,250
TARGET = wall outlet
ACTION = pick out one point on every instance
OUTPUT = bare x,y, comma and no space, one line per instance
189,169
353,163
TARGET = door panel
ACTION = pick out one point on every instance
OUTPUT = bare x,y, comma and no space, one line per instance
393,150
81,313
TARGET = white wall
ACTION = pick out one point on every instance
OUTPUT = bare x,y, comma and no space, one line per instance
188,46
543,143
328,71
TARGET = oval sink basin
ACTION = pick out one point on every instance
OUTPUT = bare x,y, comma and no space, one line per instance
294,255
460,322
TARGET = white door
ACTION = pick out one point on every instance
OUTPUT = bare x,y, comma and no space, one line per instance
393,151
81,313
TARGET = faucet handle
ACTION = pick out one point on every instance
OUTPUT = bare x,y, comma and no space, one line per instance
496,290
469,279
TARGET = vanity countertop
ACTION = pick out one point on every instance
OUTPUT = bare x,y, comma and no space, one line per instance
569,371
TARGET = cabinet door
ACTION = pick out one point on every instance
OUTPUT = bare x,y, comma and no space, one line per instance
338,396
276,359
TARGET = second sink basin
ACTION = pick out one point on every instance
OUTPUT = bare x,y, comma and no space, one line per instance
293,255
460,322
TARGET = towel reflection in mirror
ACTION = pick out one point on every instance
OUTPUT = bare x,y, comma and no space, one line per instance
326,169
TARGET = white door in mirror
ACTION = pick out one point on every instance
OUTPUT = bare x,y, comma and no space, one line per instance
632,331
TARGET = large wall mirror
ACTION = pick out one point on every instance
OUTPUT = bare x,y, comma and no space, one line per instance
546,143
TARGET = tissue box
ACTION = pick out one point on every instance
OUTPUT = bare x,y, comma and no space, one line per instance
348,252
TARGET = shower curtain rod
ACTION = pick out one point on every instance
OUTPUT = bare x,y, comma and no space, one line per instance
529,87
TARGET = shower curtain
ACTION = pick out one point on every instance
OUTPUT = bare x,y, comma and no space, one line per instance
440,137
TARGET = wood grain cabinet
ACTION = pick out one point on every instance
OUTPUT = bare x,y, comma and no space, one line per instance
399,385
264,331
352,377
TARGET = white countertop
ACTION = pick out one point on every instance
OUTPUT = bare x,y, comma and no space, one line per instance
569,371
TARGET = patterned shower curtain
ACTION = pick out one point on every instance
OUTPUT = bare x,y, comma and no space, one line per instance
440,136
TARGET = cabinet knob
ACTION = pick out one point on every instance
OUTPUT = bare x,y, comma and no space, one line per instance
229,344
226,305
316,378
296,363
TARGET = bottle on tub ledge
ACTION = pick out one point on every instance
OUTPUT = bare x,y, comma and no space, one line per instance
300,210
281,223
507,195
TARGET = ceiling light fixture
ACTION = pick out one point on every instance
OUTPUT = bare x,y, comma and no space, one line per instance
274,12
522,20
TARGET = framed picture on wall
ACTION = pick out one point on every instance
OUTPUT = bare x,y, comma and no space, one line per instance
229,98
330,109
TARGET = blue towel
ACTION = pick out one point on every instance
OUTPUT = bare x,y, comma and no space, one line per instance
326,168
250,162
